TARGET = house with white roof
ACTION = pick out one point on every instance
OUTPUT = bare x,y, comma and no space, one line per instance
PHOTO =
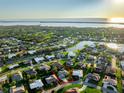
49,57
11,55
71,54
31,52
36,84
77,73
13,66
39,59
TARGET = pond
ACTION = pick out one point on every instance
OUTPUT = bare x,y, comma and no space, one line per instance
81,45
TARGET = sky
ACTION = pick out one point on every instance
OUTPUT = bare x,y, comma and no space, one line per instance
37,9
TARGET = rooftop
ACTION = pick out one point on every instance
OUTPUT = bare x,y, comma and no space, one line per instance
77,73
36,84
15,89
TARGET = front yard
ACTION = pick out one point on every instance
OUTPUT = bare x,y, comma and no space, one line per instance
91,90
63,90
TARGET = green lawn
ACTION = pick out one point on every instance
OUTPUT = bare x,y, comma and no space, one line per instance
91,90
62,90
63,61
119,84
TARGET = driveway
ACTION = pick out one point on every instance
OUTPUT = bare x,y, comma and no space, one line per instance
106,90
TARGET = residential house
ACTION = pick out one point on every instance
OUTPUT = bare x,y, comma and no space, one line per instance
110,70
13,66
11,55
71,54
69,64
62,74
122,57
28,63
1,64
17,76
93,76
31,72
15,89
99,69
57,65
6,50
100,65
77,74
91,59
110,80
1,91
10,62
123,84
4,79
80,65
102,59
36,84
122,65
94,51
60,55
51,79
44,67
122,74
50,57
81,57
72,90
39,59
31,52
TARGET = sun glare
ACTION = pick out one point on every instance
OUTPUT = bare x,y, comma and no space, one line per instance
117,20
117,1
112,45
